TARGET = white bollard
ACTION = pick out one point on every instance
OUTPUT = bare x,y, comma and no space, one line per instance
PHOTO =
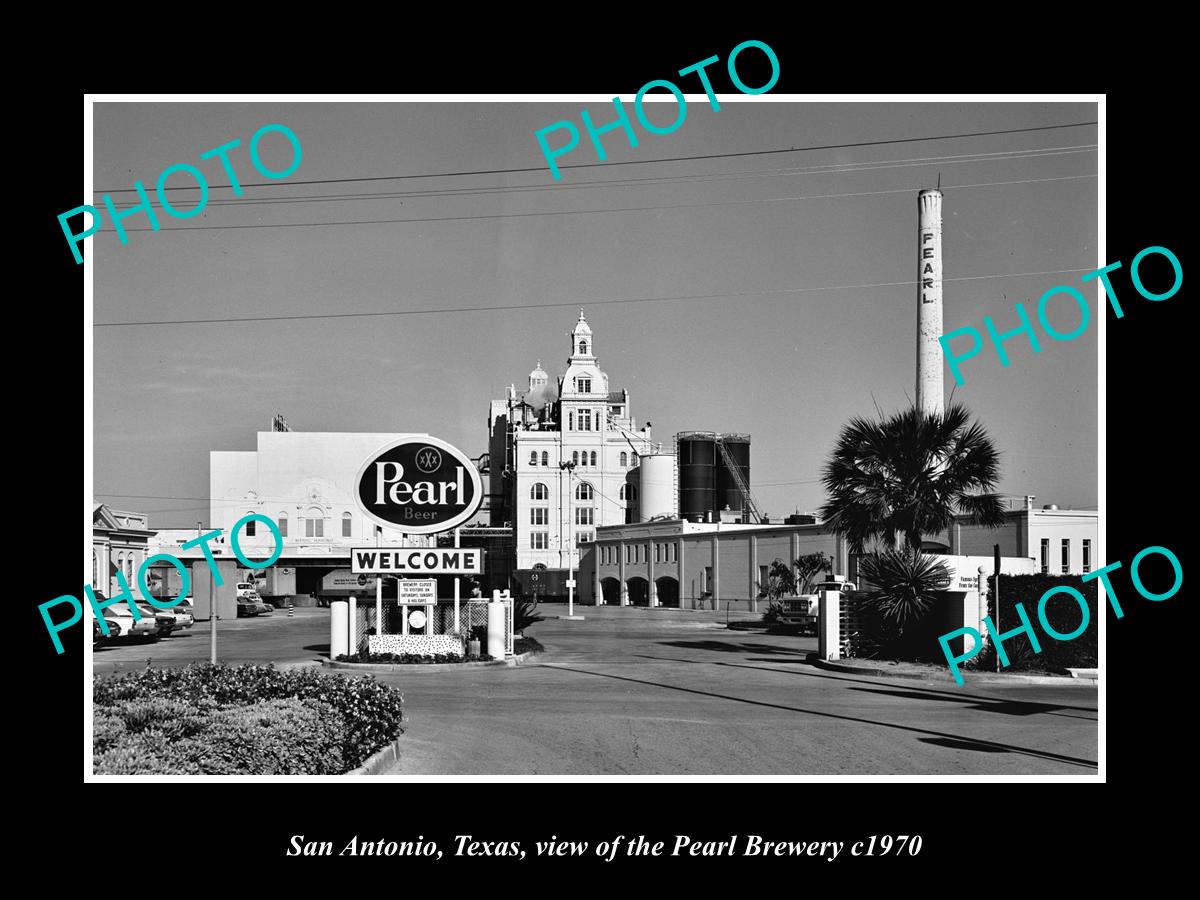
829,645
497,614
338,633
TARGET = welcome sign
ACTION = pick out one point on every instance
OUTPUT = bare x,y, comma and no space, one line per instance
420,485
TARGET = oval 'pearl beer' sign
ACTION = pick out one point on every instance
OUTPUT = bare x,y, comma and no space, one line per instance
419,485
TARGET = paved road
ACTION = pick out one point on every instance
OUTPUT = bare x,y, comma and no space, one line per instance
259,639
624,693
635,691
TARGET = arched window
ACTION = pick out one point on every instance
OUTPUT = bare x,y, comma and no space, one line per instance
635,457
282,521
621,493
314,524
583,492
633,492
533,457
575,457
583,346
624,458
95,569
545,458
129,568
347,524
593,458
539,492
250,526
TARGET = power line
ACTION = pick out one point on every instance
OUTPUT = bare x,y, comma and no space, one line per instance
575,303
577,212
640,162
698,178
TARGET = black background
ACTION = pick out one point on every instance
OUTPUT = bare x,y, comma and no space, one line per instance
974,834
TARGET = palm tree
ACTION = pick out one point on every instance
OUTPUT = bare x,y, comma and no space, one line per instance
908,475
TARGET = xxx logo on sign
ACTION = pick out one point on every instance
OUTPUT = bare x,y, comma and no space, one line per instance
429,460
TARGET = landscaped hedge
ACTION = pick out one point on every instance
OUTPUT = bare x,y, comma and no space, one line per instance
206,719
1063,614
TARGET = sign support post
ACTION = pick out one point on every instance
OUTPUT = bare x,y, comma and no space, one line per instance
457,581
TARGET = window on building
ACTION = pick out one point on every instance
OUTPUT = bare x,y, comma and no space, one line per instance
583,385
585,515
633,492
763,580
314,525
657,552
583,537
583,492
545,458
570,421
1045,560
628,553
282,524
539,540
583,346
624,459
251,526
95,570
347,524
575,458
585,420
708,578
593,459
533,458
1066,556
129,568
635,457
539,491
539,515
1087,556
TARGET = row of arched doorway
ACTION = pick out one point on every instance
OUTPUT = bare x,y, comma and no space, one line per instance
638,590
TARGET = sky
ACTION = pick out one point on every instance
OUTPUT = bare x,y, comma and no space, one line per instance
792,324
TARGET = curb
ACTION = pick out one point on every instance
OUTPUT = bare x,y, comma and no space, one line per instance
380,761
968,676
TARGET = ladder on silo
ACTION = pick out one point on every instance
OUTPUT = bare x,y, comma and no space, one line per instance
750,507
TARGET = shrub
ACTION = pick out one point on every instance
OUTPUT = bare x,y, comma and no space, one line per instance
272,737
907,584
1063,614
772,612
527,645
369,713
524,613
401,658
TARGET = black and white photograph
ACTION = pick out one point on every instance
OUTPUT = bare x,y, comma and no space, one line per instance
705,434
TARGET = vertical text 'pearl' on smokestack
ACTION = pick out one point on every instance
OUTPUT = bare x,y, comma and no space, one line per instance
929,302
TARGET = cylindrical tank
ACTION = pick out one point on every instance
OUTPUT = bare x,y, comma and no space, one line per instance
728,492
656,493
697,474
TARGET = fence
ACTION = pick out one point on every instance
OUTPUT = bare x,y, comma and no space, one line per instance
473,614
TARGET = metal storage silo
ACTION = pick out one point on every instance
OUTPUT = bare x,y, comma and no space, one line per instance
657,489
697,458
728,492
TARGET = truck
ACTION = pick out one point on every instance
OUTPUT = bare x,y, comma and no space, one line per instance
803,611
276,584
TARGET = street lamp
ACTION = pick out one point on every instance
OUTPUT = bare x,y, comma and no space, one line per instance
569,468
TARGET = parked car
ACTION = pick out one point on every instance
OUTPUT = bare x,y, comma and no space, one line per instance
163,619
261,607
246,588
118,614
185,614
246,607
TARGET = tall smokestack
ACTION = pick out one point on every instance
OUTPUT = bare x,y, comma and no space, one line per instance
929,302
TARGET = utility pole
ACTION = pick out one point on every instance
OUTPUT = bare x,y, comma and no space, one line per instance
569,467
